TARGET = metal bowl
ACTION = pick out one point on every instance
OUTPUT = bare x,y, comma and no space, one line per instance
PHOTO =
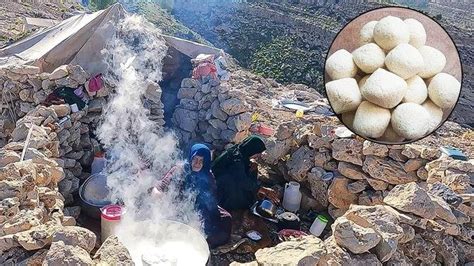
266,208
94,194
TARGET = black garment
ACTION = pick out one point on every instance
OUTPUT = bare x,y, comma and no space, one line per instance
236,184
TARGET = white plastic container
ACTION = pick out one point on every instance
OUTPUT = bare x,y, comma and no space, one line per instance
318,225
98,164
109,220
74,108
292,196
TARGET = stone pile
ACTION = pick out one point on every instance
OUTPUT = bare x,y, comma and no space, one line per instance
364,172
35,226
391,203
212,112
24,88
415,226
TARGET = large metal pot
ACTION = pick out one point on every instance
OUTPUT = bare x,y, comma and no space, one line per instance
178,244
94,195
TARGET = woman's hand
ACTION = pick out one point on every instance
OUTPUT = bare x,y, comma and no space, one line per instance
253,167
154,192
269,193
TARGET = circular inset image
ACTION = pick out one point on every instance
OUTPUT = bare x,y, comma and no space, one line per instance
393,75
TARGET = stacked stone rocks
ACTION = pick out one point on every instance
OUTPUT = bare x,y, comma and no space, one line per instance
24,88
211,112
35,226
391,203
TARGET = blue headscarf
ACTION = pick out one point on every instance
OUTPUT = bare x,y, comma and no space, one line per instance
202,183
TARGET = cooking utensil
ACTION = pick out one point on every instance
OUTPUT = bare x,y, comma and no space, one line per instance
93,194
288,220
287,234
266,208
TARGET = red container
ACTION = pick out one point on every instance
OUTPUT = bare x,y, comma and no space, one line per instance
110,219
112,212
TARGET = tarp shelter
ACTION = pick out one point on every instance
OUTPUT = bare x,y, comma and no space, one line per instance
79,40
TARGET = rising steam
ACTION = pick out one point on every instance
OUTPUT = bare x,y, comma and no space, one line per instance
140,152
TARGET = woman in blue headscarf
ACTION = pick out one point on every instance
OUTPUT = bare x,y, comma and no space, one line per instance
200,180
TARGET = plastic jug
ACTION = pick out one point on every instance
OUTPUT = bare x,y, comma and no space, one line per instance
98,164
292,196
318,225
109,219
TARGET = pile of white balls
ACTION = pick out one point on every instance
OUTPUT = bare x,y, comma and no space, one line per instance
402,93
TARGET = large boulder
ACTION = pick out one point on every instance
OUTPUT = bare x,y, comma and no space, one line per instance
240,122
372,148
351,171
276,150
76,236
443,210
7,157
446,193
356,238
348,150
300,163
419,250
384,220
319,188
37,237
113,252
411,198
62,254
335,255
185,119
59,72
339,194
234,106
444,246
387,170
304,251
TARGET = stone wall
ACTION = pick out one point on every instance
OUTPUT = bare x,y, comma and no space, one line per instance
211,112
391,203
37,212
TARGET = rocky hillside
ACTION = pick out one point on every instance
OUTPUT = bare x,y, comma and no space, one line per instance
392,204
12,14
289,42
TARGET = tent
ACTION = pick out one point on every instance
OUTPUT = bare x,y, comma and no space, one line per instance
79,40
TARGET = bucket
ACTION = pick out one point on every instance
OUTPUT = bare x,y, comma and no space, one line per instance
292,196
318,225
109,220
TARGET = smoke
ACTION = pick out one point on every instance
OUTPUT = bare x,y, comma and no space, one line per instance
140,152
